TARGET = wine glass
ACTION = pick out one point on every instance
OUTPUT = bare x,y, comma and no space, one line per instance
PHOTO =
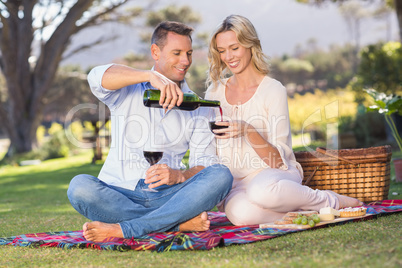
152,157
213,125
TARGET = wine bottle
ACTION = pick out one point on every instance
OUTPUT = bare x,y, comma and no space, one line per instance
190,101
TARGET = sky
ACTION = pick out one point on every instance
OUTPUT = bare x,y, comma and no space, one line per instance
281,25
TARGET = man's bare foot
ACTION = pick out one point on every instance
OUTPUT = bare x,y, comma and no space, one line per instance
346,201
97,231
199,223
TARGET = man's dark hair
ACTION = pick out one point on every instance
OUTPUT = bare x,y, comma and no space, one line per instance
162,29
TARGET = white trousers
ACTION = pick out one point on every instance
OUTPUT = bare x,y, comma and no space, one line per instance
270,194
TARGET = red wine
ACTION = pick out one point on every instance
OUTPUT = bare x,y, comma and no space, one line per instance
213,125
220,110
153,157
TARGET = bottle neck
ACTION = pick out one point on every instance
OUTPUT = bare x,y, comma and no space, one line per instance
210,103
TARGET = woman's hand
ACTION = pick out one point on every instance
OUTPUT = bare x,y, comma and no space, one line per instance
171,94
235,129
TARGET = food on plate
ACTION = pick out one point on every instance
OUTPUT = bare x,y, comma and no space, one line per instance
352,212
326,217
306,213
311,220
329,210
309,217
282,222
289,218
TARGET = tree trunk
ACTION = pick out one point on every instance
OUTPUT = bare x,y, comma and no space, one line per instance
28,84
97,149
23,138
15,43
398,9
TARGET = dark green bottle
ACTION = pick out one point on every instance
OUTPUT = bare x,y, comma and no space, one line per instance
190,101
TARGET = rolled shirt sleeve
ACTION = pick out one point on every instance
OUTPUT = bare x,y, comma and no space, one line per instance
108,97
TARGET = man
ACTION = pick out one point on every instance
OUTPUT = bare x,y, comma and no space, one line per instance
117,202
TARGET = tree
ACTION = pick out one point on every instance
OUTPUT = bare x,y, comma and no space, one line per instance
380,68
384,13
34,35
310,68
197,74
295,70
353,13
396,4
69,88
182,14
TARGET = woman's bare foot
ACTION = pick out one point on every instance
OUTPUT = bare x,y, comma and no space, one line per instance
199,223
97,231
346,201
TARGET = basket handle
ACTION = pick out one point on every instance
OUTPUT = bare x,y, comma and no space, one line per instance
325,152
310,177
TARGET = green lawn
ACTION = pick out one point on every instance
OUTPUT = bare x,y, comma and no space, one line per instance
33,199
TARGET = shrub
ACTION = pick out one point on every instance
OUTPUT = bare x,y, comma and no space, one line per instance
40,134
56,146
369,129
327,107
380,68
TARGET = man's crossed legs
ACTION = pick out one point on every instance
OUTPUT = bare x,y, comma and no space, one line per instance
119,212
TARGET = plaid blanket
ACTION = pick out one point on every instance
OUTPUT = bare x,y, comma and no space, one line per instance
221,233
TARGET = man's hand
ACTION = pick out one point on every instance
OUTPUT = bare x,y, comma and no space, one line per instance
171,94
161,174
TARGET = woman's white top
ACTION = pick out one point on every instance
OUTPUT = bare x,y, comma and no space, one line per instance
267,111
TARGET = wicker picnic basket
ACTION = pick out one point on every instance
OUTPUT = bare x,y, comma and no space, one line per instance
361,173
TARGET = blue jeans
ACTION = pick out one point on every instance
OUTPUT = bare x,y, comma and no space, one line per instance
140,212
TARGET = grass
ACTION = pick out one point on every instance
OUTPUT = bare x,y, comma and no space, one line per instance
33,199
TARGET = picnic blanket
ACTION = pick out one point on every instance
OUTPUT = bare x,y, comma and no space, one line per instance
221,233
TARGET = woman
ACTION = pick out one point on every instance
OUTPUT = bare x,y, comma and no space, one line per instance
256,145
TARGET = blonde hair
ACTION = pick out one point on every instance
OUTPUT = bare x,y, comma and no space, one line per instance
247,37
